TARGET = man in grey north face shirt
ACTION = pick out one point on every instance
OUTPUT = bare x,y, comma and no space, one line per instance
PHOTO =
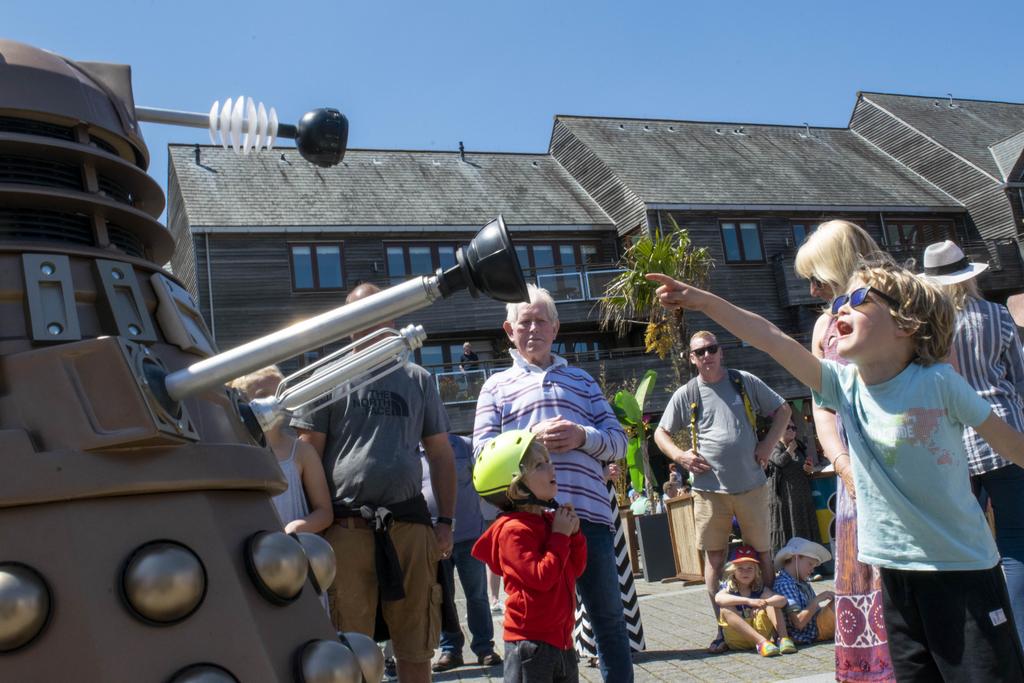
728,460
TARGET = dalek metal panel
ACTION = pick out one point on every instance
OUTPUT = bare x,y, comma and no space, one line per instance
129,522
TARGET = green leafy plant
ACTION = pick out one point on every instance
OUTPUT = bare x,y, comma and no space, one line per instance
629,409
629,298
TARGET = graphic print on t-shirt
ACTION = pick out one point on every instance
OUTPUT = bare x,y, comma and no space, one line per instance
916,427
384,402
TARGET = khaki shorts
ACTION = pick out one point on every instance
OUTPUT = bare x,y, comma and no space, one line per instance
415,621
713,513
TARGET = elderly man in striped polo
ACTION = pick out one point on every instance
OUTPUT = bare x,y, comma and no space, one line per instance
565,408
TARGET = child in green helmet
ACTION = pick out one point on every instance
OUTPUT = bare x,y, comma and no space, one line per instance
538,551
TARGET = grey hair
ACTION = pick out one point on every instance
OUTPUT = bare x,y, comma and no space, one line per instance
537,296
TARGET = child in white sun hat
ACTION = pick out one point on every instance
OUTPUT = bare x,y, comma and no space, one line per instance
811,617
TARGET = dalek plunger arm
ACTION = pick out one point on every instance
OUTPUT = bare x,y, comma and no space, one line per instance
487,264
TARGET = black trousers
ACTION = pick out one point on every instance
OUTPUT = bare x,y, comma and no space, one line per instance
532,661
951,626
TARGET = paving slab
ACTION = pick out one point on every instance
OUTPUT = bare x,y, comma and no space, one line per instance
678,625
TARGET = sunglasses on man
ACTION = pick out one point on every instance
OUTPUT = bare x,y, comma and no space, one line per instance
858,296
711,349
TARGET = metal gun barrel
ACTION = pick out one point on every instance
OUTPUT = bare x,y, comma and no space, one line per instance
323,329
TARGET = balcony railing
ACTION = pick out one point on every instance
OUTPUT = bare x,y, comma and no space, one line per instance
574,283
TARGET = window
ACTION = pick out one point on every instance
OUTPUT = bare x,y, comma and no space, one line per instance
742,242
316,266
904,233
801,231
405,260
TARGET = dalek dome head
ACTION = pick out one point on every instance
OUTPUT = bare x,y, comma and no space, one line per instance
44,93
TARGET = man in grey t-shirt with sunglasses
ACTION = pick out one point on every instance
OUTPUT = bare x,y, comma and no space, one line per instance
726,458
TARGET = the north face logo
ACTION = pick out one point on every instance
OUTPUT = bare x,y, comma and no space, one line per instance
383,402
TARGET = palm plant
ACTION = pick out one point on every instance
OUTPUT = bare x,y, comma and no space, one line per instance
629,298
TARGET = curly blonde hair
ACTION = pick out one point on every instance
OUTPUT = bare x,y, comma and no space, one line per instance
925,309
832,252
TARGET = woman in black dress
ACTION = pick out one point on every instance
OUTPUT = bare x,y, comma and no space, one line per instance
791,505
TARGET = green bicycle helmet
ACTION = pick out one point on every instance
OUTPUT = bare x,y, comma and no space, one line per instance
497,467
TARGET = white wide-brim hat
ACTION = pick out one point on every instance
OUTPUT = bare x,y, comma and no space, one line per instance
945,264
801,546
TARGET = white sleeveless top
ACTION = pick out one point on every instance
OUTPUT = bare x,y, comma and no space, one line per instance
291,504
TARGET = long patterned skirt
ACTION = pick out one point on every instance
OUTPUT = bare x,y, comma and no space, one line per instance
862,644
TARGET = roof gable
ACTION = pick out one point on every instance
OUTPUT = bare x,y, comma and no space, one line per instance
968,128
1009,156
683,162
378,187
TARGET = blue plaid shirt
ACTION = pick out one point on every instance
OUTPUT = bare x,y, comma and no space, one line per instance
799,594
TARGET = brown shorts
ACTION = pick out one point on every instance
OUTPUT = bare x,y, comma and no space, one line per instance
415,621
713,513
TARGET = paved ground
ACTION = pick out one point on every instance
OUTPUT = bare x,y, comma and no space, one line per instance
678,626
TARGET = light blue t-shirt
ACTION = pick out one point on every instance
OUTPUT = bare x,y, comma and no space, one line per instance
915,509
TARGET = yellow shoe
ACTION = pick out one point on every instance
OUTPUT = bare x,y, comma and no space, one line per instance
787,646
768,649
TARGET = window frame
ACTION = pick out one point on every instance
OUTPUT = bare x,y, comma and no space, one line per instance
901,223
722,222
435,257
315,268
812,224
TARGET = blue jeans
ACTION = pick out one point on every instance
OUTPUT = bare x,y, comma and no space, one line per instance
473,577
1005,487
599,588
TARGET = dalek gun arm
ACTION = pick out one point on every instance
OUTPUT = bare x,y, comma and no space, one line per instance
487,264
341,373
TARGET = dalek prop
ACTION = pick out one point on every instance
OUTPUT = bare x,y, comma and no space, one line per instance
137,537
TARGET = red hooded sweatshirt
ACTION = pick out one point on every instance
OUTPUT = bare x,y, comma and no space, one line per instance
540,571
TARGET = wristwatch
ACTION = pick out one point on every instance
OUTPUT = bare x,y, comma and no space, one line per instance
445,520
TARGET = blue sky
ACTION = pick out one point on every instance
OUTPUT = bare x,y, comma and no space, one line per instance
417,75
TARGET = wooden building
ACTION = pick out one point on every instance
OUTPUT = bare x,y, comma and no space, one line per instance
265,241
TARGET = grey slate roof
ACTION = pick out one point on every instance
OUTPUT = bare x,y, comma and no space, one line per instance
968,129
1007,153
379,187
684,162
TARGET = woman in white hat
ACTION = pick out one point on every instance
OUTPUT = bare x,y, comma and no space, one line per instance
810,616
987,352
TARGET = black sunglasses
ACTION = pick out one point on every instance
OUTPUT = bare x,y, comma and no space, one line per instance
790,428
705,350
857,297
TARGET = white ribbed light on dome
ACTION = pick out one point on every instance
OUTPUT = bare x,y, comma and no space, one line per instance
243,125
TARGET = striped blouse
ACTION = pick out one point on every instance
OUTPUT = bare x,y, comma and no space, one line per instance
526,394
988,352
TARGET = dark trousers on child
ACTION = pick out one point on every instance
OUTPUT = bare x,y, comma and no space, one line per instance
533,661
951,626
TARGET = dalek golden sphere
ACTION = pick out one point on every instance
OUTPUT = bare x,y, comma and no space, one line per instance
203,673
321,559
24,605
369,656
278,565
328,661
164,582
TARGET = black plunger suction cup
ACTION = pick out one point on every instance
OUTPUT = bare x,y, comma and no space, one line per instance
488,264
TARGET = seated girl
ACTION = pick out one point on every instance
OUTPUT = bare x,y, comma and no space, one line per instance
810,617
751,614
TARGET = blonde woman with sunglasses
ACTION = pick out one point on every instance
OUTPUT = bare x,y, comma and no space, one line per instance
828,259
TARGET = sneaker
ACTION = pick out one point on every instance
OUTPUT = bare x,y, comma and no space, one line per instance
497,607
489,659
447,661
767,649
787,646
390,669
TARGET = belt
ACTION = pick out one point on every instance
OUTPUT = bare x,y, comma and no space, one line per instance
352,522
